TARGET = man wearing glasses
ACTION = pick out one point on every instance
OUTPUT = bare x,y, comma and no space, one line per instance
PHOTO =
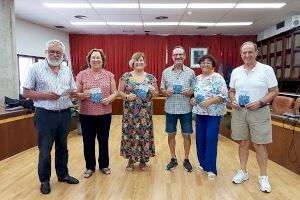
176,84
50,85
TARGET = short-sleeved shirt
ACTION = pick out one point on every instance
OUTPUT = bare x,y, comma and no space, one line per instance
39,77
88,81
254,83
178,103
208,87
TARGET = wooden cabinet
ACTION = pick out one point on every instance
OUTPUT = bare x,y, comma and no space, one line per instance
282,52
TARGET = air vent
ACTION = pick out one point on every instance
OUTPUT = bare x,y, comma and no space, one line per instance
202,27
295,20
161,17
80,16
59,26
128,31
280,25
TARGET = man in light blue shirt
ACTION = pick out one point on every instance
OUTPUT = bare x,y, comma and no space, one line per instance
50,85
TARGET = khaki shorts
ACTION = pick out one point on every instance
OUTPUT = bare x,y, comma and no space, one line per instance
252,124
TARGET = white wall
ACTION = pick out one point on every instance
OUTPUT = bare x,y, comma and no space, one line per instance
31,38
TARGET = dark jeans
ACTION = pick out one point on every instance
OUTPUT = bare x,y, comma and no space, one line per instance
93,126
52,126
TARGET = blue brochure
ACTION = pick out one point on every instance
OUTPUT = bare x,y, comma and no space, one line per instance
96,95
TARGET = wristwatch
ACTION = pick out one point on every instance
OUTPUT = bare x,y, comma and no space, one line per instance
262,103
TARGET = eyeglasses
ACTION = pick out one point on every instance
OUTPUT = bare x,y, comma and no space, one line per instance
206,63
178,54
52,52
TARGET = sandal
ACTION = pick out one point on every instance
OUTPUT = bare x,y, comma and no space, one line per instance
88,173
105,171
143,166
130,166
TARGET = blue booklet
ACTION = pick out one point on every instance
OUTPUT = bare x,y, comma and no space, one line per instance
96,95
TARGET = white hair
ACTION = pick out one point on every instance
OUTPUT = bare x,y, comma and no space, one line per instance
55,42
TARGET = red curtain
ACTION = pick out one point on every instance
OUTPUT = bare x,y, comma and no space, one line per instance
119,49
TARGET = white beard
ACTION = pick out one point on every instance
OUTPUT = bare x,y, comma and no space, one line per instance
54,62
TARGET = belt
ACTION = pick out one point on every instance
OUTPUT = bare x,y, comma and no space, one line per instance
55,111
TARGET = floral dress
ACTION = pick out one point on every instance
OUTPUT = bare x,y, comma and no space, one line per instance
137,126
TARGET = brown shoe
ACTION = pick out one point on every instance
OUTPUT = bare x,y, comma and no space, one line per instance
130,166
143,166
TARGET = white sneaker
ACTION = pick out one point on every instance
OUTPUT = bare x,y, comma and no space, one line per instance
211,175
200,168
240,177
264,184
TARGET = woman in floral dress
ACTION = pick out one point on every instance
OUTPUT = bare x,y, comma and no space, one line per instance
137,88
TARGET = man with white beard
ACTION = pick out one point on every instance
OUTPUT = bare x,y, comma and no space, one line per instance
50,85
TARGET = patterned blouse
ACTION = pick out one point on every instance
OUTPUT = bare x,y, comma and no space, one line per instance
87,81
213,85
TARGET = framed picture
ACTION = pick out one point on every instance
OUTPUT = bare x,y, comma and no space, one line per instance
195,54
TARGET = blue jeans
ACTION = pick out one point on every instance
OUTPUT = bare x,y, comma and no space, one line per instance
52,126
207,130
185,122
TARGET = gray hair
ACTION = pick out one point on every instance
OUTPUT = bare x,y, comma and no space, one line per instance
55,43
249,42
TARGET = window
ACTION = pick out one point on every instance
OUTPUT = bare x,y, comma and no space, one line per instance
23,63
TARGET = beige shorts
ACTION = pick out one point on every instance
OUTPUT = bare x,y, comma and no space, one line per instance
252,124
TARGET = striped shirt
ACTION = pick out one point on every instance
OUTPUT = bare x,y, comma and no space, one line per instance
39,77
87,81
178,103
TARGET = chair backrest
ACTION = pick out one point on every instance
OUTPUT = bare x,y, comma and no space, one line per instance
282,104
297,106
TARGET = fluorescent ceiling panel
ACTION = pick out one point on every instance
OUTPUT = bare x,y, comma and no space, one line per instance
211,5
125,23
67,5
260,5
234,23
196,24
163,6
115,5
161,23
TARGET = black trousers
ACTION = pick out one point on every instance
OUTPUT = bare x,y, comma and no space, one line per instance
93,126
52,126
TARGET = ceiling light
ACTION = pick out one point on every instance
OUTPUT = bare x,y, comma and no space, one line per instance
196,24
163,6
234,23
260,5
211,5
67,5
125,23
88,23
161,23
115,5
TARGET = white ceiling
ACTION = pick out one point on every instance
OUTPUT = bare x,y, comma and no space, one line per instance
35,12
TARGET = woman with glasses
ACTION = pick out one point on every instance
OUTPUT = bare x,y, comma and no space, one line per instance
209,104
137,88
97,90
